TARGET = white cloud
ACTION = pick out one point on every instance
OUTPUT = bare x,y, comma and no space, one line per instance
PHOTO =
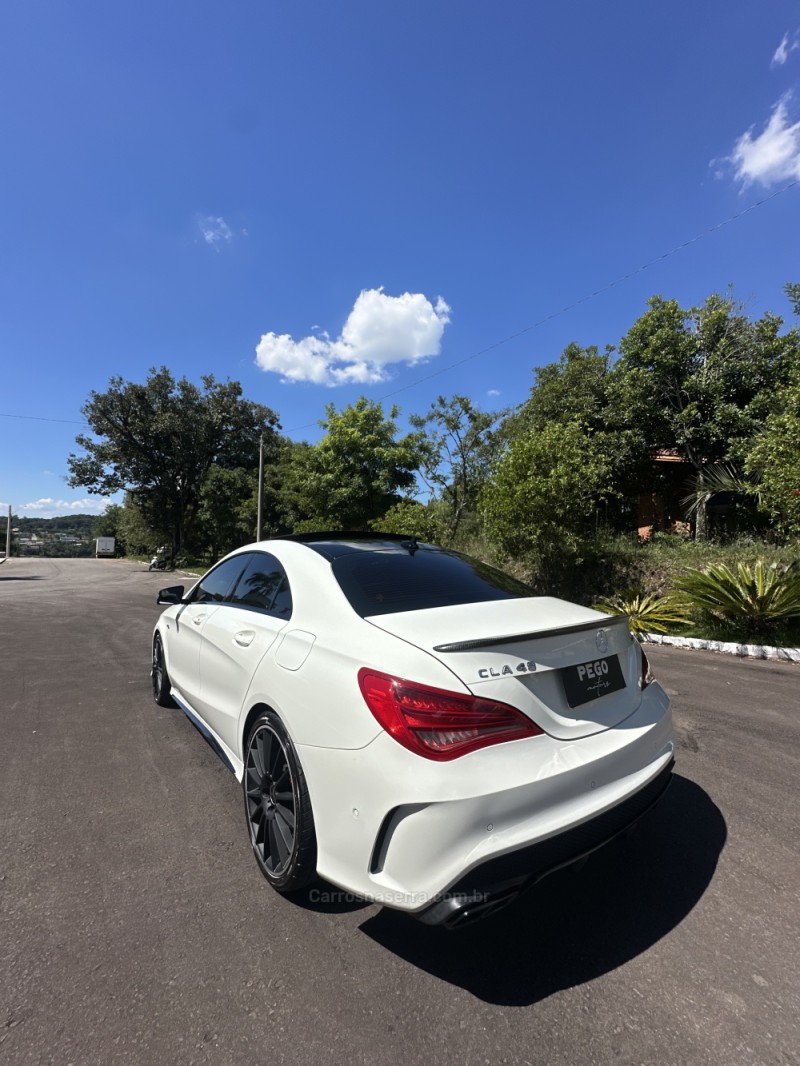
789,43
774,155
215,230
493,392
47,507
379,331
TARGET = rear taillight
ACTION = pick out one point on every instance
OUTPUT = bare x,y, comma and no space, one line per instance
436,723
647,674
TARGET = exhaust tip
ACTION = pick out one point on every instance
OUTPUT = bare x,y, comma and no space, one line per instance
466,908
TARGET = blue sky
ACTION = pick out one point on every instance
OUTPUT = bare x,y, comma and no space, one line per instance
359,195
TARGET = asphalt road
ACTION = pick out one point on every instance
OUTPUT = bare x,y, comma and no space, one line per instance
136,928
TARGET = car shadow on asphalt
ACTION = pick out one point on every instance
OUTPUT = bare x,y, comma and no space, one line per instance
574,927
325,898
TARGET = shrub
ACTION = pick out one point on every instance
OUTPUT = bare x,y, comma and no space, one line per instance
646,613
542,506
411,517
760,595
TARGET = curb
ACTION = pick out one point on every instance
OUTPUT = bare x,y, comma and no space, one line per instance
744,651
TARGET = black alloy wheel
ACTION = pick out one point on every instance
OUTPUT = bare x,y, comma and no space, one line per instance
277,807
159,675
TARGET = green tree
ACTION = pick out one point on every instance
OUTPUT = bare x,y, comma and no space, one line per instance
458,448
542,506
134,533
226,516
773,463
288,503
572,390
356,472
105,525
576,389
159,440
792,290
698,382
413,518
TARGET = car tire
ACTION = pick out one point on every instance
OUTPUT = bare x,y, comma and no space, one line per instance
277,807
160,677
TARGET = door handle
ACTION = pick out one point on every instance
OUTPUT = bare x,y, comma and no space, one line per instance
245,638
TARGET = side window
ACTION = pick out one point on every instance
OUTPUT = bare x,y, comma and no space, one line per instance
264,585
282,604
217,584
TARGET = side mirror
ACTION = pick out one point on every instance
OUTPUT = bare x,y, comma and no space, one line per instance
174,594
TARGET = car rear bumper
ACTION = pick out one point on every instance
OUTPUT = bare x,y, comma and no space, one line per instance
494,884
403,831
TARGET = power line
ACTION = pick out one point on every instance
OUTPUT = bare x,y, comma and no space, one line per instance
576,303
527,329
597,292
41,418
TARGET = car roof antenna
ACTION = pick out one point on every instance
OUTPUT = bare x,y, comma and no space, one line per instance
411,544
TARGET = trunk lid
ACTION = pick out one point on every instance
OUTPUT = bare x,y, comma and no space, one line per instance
572,670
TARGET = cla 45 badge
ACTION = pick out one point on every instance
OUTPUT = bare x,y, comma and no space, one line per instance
520,668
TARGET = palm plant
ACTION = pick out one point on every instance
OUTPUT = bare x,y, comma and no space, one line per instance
759,594
712,480
646,613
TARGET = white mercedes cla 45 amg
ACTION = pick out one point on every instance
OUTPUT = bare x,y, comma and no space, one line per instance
409,723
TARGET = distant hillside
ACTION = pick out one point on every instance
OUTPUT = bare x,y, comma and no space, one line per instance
72,523
66,536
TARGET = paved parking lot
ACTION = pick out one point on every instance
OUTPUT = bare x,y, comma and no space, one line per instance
136,928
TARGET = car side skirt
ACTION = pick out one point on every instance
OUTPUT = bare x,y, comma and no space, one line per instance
221,749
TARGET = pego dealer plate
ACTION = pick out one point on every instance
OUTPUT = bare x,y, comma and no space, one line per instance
588,681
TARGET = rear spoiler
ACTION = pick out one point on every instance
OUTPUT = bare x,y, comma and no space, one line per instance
517,638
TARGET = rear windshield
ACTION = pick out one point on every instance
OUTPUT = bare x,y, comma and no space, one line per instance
385,582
